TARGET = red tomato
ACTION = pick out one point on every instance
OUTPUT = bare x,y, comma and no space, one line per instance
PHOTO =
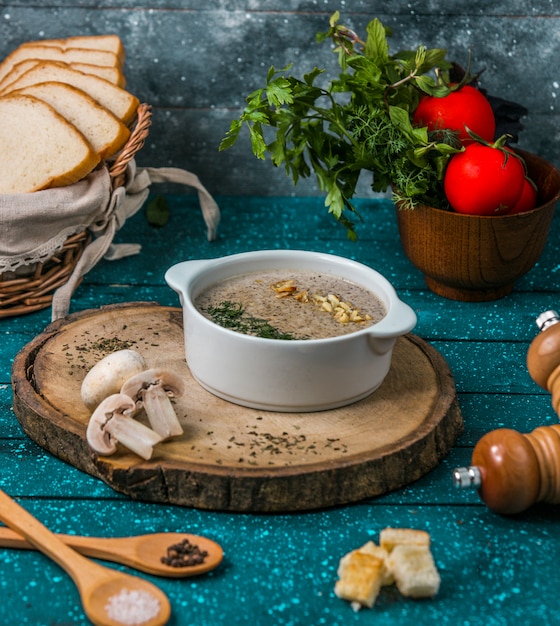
528,198
483,180
464,107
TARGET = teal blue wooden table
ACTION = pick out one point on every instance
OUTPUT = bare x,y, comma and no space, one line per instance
280,570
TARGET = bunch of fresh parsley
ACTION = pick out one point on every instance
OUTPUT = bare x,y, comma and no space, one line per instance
360,121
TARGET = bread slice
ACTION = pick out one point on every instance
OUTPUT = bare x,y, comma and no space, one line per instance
360,576
54,53
117,100
112,74
105,132
39,149
17,70
414,570
112,43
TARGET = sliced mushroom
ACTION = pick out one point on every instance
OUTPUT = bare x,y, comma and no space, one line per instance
153,389
107,376
111,423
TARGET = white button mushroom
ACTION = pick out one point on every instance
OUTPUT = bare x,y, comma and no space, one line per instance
111,423
107,376
153,389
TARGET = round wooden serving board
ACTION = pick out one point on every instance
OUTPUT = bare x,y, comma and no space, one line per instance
232,458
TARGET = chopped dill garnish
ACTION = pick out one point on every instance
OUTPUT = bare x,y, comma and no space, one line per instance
233,316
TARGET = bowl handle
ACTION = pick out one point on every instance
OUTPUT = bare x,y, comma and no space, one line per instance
178,276
400,320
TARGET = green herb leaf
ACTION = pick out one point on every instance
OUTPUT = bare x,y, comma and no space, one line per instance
278,92
377,47
157,212
233,316
232,135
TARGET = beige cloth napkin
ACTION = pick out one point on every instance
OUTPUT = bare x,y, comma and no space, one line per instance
42,221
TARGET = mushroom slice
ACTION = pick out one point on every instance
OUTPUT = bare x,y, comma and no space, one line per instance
111,423
153,389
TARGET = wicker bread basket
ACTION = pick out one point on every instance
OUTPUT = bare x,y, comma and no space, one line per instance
32,289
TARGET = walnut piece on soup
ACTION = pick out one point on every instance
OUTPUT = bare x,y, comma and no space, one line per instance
286,304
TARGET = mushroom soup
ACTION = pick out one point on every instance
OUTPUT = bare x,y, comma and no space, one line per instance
284,304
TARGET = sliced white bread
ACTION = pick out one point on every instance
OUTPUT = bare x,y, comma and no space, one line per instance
112,74
105,132
112,43
119,101
54,53
17,70
39,149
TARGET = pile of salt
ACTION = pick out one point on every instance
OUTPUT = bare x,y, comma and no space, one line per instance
132,607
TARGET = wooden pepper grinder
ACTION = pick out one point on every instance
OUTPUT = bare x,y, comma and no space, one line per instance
512,471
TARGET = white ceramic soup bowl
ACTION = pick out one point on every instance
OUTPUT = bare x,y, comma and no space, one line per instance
287,375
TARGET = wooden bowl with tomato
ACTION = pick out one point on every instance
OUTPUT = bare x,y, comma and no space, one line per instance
475,258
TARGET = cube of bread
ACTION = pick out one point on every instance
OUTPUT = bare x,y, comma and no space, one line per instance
372,548
414,570
360,576
391,537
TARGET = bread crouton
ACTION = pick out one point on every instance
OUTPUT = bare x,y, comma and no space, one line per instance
360,576
391,537
372,548
404,558
414,570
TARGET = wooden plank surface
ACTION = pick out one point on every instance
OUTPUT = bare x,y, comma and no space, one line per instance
280,569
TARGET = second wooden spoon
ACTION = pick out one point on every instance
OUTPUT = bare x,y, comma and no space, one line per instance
142,552
107,595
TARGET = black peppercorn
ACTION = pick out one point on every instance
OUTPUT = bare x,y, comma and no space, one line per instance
184,554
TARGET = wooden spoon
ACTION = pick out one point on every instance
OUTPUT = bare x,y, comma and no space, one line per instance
98,586
142,552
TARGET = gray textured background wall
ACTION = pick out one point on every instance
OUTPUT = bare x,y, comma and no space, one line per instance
196,60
